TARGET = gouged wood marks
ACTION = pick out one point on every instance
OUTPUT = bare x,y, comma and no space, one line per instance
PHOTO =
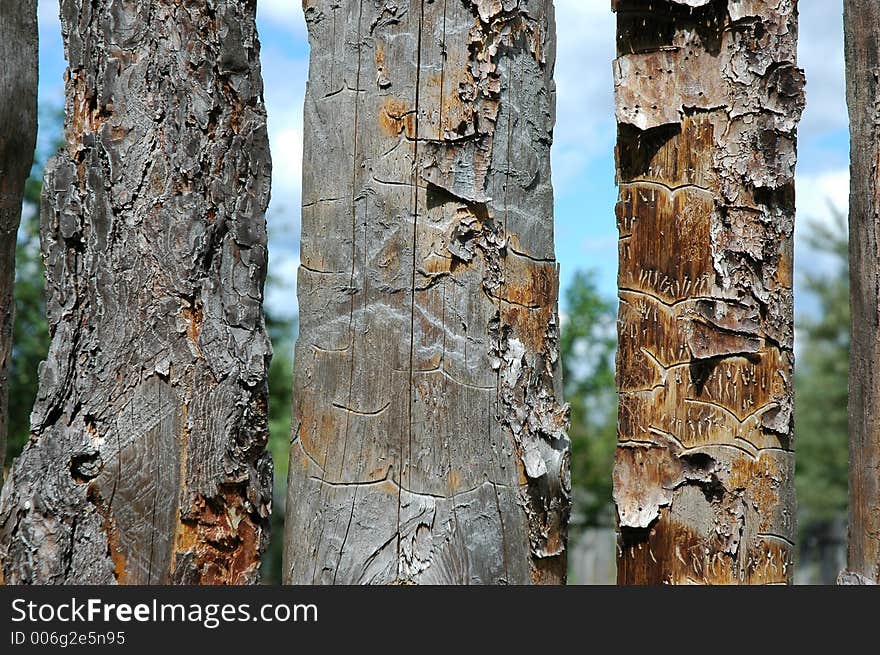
147,461
18,134
708,96
429,441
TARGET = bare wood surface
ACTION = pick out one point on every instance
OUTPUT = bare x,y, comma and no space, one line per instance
429,439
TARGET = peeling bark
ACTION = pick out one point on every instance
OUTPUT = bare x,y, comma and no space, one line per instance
147,461
18,135
862,31
708,97
429,439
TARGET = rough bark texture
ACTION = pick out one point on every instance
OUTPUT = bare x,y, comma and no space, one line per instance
862,30
18,135
708,96
429,440
147,463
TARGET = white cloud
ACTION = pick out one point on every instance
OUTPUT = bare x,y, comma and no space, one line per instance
287,159
820,54
285,81
816,194
283,218
821,198
287,13
585,103
281,291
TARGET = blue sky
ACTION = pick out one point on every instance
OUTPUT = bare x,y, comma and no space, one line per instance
583,152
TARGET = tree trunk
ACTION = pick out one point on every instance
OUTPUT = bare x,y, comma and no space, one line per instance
429,440
146,462
708,96
862,32
18,136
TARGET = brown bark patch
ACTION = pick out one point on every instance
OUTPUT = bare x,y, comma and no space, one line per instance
218,540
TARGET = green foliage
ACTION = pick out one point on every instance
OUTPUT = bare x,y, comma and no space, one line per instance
587,344
821,379
31,332
282,331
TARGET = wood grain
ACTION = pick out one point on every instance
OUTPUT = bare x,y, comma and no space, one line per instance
429,437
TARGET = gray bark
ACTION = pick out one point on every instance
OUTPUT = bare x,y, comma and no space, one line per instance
146,462
429,440
18,135
708,97
862,31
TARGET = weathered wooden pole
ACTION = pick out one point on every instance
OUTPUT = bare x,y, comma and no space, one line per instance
429,439
708,97
862,36
18,136
146,462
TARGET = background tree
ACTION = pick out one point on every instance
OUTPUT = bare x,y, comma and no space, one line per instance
587,348
429,440
708,96
862,36
147,461
18,135
30,343
282,330
821,396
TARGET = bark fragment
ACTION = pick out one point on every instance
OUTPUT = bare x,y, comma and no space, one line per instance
429,440
708,96
18,135
147,459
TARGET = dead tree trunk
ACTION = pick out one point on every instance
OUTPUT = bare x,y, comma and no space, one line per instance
147,462
708,96
18,135
429,440
862,32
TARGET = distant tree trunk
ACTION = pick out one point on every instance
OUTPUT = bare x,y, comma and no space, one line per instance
708,97
18,136
146,462
862,31
429,440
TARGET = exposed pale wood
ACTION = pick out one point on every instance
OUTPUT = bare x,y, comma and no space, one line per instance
18,135
862,33
146,462
429,440
708,97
